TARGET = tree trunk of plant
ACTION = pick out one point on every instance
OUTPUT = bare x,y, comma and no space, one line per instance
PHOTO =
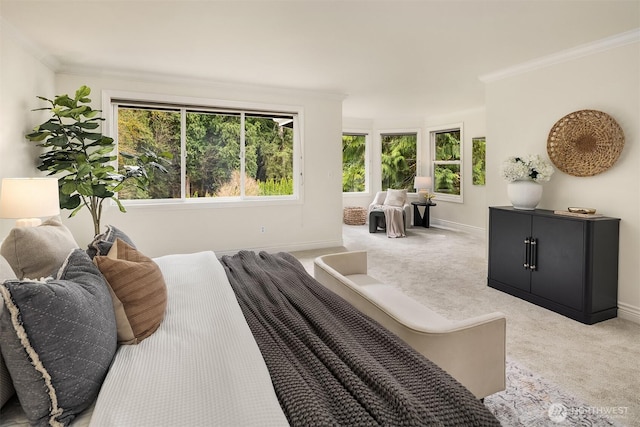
95,209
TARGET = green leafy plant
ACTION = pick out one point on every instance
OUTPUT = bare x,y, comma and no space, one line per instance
84,158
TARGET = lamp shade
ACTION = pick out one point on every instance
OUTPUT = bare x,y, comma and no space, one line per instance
29,198
422,182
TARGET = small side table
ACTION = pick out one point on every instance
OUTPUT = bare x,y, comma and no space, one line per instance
418,219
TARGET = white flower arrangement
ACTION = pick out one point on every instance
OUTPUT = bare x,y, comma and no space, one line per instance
530,167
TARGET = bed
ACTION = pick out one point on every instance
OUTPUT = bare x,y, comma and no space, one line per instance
248,339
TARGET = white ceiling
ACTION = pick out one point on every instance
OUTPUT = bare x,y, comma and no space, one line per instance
390,58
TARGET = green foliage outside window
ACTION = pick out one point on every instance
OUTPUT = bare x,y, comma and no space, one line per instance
140,130
213,152
399,161
478,160
273,187
213,160
447,179
353,163
447,162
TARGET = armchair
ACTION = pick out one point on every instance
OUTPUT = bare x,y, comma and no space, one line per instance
381,197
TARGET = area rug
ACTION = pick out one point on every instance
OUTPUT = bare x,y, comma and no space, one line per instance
531,401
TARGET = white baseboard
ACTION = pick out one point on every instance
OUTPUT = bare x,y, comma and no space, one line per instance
629,312
456,226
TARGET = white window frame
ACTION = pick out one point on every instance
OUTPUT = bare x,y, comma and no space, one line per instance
110,129
432,149
367,160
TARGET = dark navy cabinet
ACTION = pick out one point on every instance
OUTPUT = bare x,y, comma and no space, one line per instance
563,263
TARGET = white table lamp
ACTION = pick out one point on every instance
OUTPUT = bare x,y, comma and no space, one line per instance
422,184
29,199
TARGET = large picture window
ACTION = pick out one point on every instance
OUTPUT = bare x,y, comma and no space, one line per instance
217,154
446,147
399,154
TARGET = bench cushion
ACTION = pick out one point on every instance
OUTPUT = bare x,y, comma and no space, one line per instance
361,280
396,304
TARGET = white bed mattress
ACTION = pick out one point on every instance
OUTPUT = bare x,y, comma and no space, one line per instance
202,367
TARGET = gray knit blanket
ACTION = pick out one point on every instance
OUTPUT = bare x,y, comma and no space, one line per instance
333,366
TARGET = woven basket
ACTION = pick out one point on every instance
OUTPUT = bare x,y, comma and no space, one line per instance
353,215
585,143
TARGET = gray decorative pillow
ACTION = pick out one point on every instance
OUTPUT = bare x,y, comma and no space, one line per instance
58,339
6,272
101,244
36,252
6,385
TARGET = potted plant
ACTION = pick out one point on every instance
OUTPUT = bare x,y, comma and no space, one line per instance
84,158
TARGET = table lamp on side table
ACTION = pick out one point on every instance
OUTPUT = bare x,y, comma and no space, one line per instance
422,184
29,199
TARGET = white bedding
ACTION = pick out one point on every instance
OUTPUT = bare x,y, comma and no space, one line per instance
202,367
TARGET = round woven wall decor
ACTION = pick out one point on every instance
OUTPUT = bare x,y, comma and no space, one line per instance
585,143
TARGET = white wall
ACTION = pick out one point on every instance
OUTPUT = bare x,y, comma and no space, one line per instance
22,77
521,109
161,230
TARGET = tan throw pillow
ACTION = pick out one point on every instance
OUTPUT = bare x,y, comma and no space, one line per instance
396,198
36,252
139,291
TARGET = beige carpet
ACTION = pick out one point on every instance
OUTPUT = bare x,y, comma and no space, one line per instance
447,271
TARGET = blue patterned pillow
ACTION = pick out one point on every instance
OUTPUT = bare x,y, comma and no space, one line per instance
58,339
102,243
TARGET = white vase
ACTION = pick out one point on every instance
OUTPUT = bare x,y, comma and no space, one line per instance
524,195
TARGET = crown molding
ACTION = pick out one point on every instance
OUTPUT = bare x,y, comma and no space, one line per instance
27,44
183,80
618,40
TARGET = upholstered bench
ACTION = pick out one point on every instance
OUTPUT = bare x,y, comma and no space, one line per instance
470,350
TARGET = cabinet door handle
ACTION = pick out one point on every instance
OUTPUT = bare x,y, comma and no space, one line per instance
534,254
527,253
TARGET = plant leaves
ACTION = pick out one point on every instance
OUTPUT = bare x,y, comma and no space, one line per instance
75,211
85,188
59,141
88,125
83,92
52,125
72,202
100,190
64,101
120,206
37,136
68,188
